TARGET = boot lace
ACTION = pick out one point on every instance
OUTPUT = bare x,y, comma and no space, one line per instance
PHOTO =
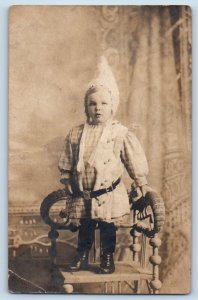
108,260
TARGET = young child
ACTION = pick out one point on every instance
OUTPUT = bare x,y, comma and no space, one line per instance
92,163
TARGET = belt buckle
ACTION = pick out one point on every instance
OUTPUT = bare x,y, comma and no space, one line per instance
87,195
108,190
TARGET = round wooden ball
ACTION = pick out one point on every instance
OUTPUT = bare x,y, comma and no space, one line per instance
155,259
136,247
156,284
155,242
68,288
53,234
135,233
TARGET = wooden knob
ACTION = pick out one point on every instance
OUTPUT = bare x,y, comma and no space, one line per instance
136,247
135,233
68,288
156,284
155,259
155,242
53,234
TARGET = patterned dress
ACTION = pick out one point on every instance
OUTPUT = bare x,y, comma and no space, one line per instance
93,158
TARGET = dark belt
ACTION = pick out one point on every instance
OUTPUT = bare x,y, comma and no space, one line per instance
87,195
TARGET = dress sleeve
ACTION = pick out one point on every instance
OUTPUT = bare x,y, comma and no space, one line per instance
134,159
66,160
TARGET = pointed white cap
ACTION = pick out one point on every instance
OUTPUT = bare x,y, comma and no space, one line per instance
104,78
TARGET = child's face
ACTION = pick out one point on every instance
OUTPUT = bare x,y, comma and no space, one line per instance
99,106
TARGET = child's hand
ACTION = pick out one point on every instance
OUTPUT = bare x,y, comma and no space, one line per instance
140,192
144,189
136,194
67,185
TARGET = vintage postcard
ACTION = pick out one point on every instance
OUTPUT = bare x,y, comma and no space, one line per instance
100,149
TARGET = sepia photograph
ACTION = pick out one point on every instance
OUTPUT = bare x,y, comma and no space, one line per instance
100,149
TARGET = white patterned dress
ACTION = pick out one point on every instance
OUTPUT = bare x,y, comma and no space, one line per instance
93,158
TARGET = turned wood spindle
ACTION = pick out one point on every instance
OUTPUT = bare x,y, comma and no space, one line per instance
155,260
53,235
135,247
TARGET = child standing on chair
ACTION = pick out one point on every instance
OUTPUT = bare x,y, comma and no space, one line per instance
94,158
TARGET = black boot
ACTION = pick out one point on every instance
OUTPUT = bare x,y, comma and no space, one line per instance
107,264
80,262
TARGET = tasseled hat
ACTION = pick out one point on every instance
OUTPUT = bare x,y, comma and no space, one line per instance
104,78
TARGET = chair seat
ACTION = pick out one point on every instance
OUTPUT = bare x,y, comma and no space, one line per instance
124,272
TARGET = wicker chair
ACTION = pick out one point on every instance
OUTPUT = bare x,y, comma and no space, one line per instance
146,222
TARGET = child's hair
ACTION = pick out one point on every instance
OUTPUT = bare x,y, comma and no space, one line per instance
91,90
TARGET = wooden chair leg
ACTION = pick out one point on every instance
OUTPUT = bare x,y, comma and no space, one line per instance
137,286
119,287
135,247
68,288
106,287
149,287
53,235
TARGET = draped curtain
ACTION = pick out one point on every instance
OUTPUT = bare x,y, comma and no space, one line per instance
153,66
